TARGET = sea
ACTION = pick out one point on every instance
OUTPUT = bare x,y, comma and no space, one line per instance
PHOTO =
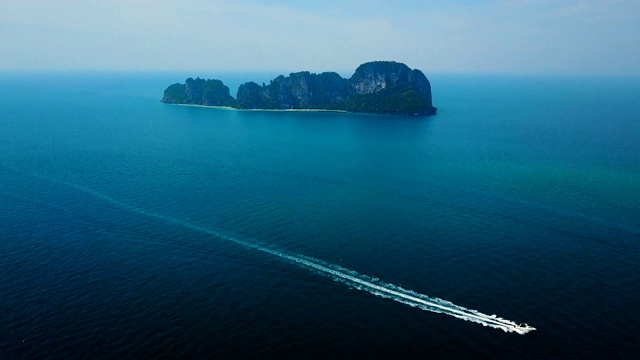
133,229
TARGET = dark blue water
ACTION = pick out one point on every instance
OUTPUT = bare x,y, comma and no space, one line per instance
122,222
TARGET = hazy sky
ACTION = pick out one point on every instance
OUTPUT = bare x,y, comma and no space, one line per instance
596,37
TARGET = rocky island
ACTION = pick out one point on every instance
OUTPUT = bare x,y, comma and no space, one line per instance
379,87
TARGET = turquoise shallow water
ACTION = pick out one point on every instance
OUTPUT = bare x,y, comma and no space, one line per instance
520,198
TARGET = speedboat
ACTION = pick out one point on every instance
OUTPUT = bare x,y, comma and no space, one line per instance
523,328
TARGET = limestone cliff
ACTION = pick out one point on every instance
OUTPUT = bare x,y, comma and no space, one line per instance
389,87
199,92
301,90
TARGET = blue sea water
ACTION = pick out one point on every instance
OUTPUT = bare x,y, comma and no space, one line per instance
135,229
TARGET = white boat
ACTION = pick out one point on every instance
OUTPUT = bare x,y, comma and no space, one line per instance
523,328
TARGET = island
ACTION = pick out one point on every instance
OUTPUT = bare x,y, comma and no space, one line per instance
378,87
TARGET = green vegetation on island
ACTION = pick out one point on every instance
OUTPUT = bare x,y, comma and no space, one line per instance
405,100
379,87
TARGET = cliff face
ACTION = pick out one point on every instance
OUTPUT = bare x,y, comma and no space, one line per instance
377,75
199,92
389,87
301,90
382,87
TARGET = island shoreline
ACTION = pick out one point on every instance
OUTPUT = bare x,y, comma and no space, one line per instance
231,108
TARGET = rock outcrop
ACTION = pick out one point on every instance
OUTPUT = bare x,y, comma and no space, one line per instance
302,90
387,87
199,92
381,87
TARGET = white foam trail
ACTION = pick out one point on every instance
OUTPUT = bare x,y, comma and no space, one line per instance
349,277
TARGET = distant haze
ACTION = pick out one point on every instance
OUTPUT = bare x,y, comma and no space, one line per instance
589,37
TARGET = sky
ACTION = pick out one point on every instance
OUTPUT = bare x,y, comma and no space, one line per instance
574,37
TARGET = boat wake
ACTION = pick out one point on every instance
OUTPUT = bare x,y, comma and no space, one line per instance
349,277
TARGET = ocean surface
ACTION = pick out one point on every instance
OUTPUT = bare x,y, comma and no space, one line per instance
135,229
